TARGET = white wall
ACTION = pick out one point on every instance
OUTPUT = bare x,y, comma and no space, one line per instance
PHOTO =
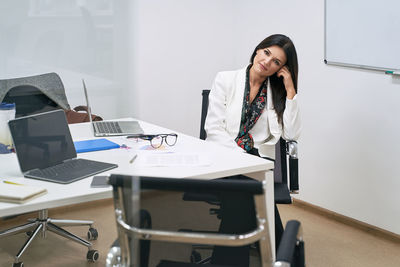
178,46
349,159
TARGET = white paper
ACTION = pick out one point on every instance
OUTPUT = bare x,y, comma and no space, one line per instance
174,159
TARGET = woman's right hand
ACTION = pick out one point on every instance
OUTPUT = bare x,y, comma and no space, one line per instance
287,81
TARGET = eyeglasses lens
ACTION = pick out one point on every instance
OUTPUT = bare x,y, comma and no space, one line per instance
171,139
156,142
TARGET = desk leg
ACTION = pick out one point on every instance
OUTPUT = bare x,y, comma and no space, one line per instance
270,200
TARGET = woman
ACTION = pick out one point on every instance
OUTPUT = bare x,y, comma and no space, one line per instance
249,110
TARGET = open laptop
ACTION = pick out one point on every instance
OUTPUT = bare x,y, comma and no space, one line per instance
45,149
111,128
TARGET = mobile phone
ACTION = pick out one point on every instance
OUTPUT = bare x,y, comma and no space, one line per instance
100,181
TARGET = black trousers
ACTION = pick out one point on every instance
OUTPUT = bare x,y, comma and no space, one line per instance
237,217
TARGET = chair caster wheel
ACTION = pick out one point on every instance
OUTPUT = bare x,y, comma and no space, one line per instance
18,264
195,257
92,255
92,234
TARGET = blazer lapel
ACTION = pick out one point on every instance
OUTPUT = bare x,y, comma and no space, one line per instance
235,102
274,126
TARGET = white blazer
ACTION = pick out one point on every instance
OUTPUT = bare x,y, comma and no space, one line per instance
225,110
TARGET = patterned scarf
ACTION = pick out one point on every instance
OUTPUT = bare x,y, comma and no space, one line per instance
250,113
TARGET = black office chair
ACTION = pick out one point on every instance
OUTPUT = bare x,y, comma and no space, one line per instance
285,155
127,206
36,94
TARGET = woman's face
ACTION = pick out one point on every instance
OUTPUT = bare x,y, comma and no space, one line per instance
269,60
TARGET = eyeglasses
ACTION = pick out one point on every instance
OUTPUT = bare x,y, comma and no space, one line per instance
156,140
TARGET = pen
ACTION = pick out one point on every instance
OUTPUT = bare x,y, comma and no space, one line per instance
8,182
133,159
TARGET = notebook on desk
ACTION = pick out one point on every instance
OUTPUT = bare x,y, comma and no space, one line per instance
18,193
111,128
45,149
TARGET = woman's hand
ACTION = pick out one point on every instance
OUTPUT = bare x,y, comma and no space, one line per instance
287,81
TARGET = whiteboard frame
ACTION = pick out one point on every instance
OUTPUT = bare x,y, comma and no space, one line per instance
366,67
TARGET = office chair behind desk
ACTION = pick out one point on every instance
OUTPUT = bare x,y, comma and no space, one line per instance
36,94
285,160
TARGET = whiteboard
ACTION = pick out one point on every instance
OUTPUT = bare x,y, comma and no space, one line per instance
363,34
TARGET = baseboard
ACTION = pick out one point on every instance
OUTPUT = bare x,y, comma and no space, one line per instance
376,231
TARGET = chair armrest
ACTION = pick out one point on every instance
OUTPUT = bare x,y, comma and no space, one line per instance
287,246
291,150
294,175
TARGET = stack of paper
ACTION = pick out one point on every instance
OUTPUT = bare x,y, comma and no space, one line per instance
16,193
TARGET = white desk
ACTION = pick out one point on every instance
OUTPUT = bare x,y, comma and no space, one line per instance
224,162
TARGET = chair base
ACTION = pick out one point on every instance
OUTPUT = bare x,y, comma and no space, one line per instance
44,223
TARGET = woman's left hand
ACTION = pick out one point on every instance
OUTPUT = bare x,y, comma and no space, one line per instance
287,81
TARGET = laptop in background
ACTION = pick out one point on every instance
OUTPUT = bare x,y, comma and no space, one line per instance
111,128
45,149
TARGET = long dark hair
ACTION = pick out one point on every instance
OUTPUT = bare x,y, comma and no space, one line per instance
277,86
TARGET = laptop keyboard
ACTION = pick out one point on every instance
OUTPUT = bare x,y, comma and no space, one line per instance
70,171
63,168
108,127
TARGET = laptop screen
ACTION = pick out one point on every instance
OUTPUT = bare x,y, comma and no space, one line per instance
42,140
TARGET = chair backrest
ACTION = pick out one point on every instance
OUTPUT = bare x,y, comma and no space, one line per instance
282,155
34,94
128,204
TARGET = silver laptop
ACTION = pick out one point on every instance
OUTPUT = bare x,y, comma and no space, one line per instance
111,128
45,149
